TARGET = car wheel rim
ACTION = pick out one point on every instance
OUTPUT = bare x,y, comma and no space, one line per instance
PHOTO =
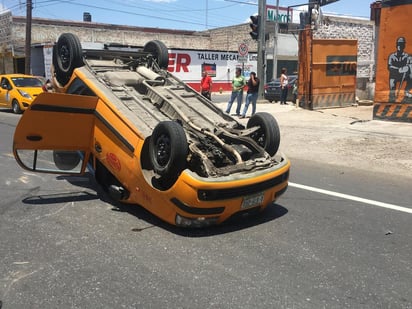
65,56
163,147
260,138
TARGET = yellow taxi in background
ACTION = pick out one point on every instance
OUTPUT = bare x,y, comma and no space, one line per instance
17,91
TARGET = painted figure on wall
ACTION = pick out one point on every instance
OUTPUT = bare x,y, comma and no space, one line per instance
399,66
408,88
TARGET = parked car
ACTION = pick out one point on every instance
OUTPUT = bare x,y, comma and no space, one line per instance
17,91
148,138
273,91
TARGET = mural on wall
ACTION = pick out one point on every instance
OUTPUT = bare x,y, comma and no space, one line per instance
400,73
393,91
394,59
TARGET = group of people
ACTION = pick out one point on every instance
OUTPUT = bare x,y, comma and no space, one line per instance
238,84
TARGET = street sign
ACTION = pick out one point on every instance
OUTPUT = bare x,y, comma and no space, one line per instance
243,50
242,59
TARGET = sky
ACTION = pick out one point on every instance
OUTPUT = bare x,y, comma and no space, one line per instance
194,15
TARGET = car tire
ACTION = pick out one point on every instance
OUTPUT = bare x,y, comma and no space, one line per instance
168,149
66,160
15,106
67,56
159,51
268,135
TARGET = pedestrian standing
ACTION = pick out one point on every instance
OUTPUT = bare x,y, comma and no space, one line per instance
283,86
206,85
252,94
238,83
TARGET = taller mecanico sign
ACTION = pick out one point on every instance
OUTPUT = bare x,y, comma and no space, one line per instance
188,66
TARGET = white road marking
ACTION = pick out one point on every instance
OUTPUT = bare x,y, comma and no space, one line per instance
352,197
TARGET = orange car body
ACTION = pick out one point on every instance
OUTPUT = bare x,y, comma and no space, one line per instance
112,142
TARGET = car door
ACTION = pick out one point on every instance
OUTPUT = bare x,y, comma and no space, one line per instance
4,91
55,133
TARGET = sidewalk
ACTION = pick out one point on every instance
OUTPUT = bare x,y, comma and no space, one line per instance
356,117
341,136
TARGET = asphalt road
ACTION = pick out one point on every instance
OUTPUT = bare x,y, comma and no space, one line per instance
64,245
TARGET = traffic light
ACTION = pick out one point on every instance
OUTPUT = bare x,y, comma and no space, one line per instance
325,2
254,25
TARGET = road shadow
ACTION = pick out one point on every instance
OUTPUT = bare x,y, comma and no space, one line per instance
237,222
8,111
64,197
240,221
84,182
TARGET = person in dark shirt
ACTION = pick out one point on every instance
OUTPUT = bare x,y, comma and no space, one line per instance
252,94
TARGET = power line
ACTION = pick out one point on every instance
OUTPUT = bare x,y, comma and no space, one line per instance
130,13
242,2
188,19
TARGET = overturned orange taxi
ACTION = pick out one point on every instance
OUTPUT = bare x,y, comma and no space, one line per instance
149,138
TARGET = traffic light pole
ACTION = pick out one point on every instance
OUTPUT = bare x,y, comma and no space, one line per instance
261,65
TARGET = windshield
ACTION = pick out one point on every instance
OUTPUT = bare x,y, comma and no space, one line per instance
27,82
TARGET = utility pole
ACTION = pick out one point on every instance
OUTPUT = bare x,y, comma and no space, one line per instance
207,13
261,66
27,46
275,42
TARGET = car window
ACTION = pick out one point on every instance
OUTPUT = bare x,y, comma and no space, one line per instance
26,82
5,84
274,81
44,160
80,88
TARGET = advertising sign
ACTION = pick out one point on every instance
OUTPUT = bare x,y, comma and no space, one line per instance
210,68
188,65
341,65
282,17
48,55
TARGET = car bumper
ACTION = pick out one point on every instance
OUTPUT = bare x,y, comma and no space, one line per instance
272,95
201,202
25,103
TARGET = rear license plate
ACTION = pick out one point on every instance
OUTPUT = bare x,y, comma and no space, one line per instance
252,200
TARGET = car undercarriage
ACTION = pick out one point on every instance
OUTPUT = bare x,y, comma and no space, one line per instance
185,129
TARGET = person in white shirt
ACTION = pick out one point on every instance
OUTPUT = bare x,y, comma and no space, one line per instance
283,86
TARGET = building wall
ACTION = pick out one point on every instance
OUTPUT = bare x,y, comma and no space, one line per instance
6,49
222,39
46,31
5,28
229,38
336,27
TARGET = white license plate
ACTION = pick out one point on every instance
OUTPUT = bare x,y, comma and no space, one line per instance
252,200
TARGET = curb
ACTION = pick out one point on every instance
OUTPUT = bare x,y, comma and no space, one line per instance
365,102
